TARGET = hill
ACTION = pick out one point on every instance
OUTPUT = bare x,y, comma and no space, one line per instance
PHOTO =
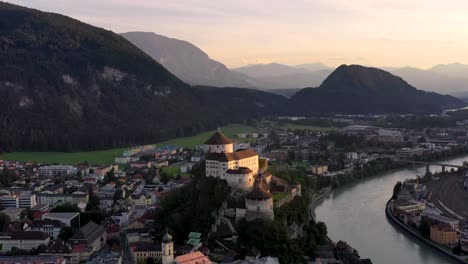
68,86
187,61
360,90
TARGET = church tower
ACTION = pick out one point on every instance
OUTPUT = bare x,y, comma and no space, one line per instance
167,249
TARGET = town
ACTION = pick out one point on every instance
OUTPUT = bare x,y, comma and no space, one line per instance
121,212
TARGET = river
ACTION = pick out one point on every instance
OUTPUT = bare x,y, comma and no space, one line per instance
356,214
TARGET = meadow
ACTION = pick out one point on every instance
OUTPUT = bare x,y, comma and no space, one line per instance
107,156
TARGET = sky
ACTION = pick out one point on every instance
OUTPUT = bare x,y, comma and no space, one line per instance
418,33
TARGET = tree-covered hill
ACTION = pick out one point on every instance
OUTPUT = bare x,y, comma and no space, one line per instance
66,85
356,89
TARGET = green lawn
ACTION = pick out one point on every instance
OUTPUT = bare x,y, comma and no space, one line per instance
107,156
279,196
173,171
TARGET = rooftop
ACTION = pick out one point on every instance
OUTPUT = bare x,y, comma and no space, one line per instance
65,216
238,155
193,258
260,192
218,138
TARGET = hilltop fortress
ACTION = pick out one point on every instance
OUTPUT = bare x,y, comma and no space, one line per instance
241,171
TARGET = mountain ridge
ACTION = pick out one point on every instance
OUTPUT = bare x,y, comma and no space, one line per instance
187,61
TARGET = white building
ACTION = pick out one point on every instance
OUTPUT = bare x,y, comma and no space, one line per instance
57,198
238,168
25,240
57,170
18,201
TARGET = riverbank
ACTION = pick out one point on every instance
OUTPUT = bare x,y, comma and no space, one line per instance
393,220
353,213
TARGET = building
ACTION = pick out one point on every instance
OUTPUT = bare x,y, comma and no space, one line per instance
25,240
13,213
69,219
61,198
35,259
443,234
18,201
141,251
57,170
409,152
92,235
238,168
318,169
259,202
167,247
440,219
50,227
390,136
351,155
105,257
191,258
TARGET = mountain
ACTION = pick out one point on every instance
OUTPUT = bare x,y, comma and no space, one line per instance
318,66
187,61
66,85
430,80
280,76
356,89
456,70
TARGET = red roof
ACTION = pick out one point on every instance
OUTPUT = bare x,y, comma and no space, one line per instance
113,228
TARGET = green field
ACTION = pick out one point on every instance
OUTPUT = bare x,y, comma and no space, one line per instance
173,171
107,156
313,128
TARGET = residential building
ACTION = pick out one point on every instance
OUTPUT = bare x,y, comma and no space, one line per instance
440,219
57,170
105,257
18,201
34,259
25,240
61,198
318,169
443,234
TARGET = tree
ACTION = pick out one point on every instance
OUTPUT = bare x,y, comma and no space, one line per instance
396,190
66,208
4,221
118,195
425,226
66,233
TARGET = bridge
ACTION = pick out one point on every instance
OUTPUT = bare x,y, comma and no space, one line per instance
441,164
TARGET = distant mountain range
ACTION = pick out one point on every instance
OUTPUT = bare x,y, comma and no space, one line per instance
66,86
187,61
280,76
195,67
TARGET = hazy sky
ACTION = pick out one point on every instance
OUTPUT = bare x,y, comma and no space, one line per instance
419,33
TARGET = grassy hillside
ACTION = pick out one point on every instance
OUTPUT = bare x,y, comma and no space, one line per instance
107,156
